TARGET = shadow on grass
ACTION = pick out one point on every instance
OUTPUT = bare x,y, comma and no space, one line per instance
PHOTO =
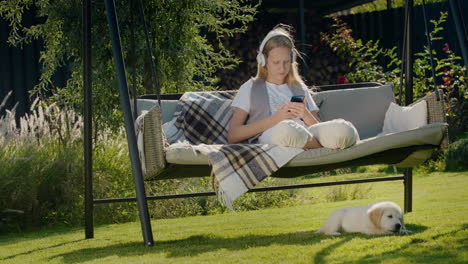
196,245
41,249
190,246
424,251
38,233
414,229
322,254
417,250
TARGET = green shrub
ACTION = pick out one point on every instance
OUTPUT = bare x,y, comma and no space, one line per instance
347,192
209,204
435,163
457,156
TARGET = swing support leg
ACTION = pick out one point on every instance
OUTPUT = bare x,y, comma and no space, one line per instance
129,127
408,193
408,70
87,113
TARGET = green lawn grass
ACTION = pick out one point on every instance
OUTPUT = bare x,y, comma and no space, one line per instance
439,222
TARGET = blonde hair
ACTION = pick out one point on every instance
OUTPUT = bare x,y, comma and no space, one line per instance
282,40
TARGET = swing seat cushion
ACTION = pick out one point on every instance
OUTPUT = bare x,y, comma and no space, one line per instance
431,134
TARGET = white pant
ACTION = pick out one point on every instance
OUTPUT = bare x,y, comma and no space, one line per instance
333,134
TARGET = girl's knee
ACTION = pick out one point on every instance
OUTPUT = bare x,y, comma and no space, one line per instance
335,134
288,133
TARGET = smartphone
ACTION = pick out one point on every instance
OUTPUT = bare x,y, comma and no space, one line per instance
297,98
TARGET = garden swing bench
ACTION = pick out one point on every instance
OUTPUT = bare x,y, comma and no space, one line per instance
405,149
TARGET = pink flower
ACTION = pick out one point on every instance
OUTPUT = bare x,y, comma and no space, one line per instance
447,80
341,80
446,47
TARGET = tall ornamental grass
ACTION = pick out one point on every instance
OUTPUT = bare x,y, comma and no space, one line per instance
40,169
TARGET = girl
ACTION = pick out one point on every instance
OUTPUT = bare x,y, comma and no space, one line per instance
262,107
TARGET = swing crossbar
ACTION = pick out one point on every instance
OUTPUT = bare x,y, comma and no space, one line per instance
260,189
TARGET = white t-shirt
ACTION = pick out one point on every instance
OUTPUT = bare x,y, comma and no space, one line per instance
277,95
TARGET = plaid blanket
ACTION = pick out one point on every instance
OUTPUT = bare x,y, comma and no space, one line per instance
202,121
201,118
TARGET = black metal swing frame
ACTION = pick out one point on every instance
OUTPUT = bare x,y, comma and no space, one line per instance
141,197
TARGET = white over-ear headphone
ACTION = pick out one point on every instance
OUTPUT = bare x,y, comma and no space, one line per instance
261,58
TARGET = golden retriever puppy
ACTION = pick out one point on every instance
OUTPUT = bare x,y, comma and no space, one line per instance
375,219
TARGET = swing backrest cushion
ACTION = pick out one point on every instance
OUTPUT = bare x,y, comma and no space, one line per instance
364,107
168,107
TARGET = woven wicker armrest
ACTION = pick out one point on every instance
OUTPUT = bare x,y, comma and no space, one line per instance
436,112
154,143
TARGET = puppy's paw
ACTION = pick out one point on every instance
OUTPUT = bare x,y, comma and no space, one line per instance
329,233
405,232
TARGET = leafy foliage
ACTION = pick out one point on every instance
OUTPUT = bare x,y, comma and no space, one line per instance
450,77
362,58
378,5
179,30
364,61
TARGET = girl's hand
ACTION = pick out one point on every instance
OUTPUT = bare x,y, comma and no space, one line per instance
283,113
298,109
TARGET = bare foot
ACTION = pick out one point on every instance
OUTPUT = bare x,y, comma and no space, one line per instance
313,143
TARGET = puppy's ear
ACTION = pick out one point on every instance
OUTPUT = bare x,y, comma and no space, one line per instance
375,214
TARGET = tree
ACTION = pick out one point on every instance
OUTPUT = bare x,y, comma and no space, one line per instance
185,37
